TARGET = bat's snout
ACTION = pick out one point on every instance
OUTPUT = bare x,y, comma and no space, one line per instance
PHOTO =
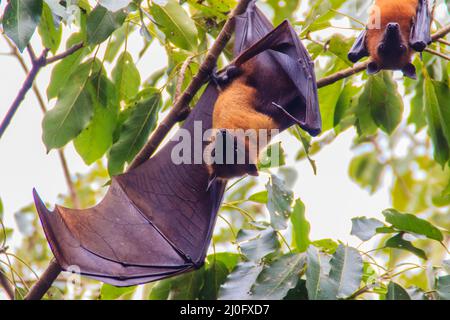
393,26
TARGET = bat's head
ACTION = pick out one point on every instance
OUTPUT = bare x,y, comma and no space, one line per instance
231,156
390,50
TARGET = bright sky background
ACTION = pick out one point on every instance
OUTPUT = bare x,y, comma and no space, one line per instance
331,198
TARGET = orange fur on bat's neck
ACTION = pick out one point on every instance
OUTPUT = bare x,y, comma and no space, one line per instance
239,106
384,12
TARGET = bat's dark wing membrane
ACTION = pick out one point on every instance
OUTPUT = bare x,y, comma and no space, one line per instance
421,33
359,48
278,51
155,221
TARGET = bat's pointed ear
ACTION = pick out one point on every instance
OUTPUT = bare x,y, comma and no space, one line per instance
410,71
373,68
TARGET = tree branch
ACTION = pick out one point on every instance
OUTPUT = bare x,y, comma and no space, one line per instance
326,81
44,283
38,64
437,53
22,92
15,52
183,102
4,282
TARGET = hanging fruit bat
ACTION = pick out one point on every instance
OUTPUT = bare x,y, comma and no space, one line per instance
157,220
269,86
396,29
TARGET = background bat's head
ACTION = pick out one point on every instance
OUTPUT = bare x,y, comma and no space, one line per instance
231,156
390,50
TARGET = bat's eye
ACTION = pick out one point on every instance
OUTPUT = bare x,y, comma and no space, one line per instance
381,47
402,48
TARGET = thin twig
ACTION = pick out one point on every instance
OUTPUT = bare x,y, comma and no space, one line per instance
437,53
38,64
326,81
447,43
29,80
65,54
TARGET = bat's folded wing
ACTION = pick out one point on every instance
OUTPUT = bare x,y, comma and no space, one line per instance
421,29
154,222
281,47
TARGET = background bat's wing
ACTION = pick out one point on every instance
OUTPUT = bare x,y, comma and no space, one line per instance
421,33
155,221
359,48
278,50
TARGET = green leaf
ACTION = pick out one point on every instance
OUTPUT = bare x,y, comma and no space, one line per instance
345,105
443,287
260,197
329,97
316,274
299,292
276,279
410,223
228,258
117,40
126,77
256,244
285,11
272,157
72,112
161,290
1,209
279,202
178,27
326,245
438,122
239,283
109,292
381,97
365,228
386,104
445,263
114,5
101,23
97,138
134,132
215,275
396,292
66,67
49,30
346,272
187,286
301,227
397,242
20,19
367,171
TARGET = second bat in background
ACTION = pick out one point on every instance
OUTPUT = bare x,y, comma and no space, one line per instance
395,30
268,88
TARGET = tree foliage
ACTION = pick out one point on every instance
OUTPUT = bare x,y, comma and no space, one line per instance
262,248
